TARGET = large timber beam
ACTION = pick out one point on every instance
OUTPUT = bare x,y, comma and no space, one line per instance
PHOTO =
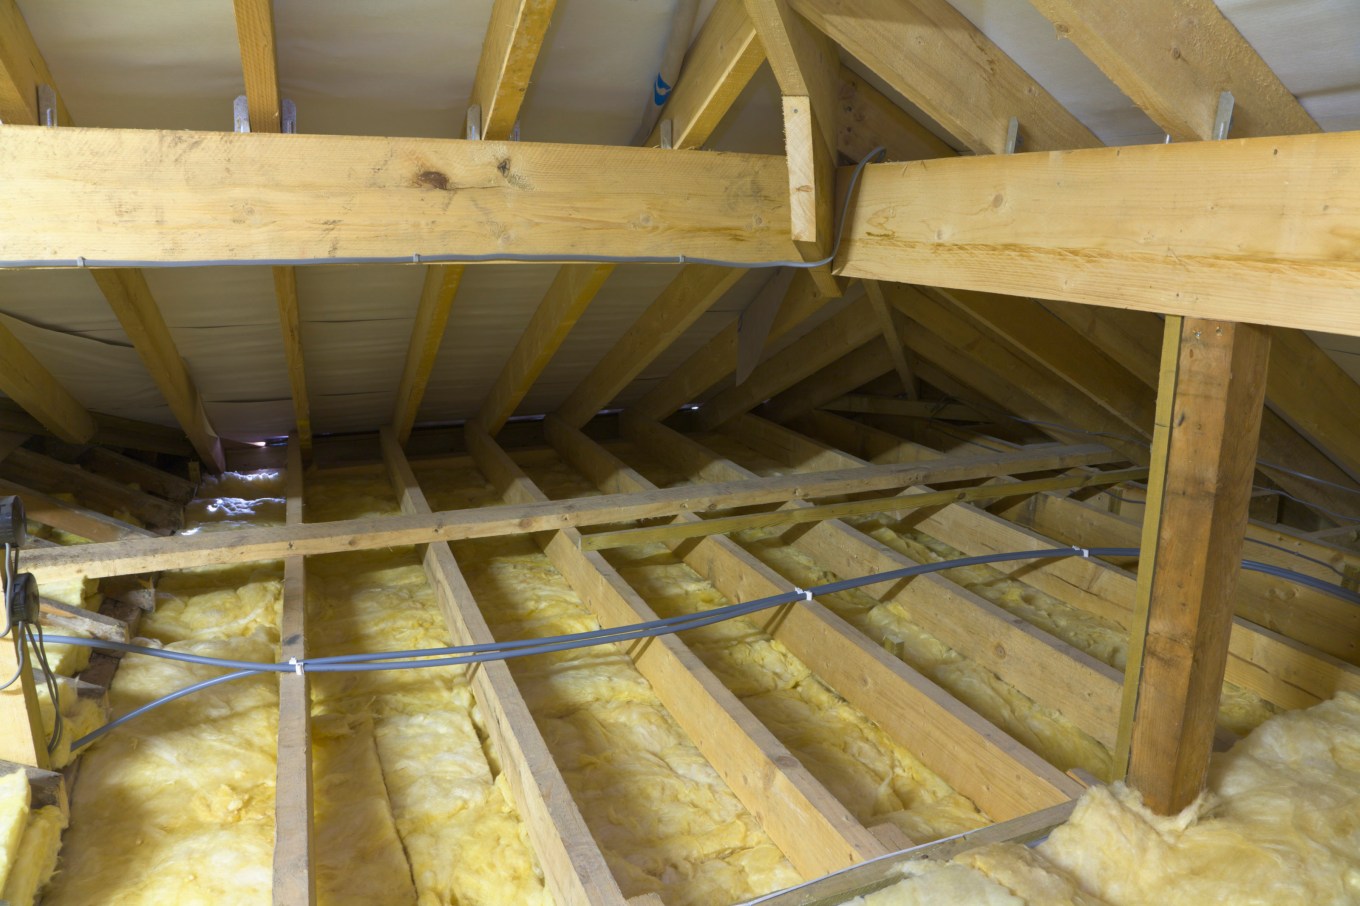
574,868
1204,454
695,290
816,832
132,303
1206,229
124,558
119,195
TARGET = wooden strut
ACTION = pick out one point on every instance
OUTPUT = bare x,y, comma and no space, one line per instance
294,837
154,555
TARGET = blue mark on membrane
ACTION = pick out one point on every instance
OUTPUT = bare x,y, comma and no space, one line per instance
660,91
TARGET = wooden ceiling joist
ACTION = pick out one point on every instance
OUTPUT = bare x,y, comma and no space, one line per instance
80,192
695,290
574,868
724,56
24,380
815,831
132,303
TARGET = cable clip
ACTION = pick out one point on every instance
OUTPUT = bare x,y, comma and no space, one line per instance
807,595
1084,551
415,258
297,665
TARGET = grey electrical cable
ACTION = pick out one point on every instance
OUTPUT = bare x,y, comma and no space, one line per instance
488,258
376,661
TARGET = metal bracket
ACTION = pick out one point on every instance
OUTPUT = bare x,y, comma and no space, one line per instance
288,117
668,134
514,132
47,106
240,113
1223,116
1012,135
474,122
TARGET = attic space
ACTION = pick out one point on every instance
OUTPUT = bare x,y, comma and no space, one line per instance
679,452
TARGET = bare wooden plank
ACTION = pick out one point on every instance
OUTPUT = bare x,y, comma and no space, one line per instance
259,62
49,475
118,195
22,739
1208,416
126,558
815,831
112,431
887,325
883,405
294,838
851,371
286,294
574,869
868,119
147,477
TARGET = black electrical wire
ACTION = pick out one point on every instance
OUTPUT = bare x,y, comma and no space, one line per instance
472,654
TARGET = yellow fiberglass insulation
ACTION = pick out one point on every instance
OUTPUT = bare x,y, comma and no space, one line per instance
1278,824
37,857
404,785
178,805
664,819
877,779
14,804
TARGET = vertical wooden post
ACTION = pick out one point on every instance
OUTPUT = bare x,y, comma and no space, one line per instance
21,732
294,842
1204,453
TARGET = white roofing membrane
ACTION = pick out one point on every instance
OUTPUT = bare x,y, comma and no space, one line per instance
405,67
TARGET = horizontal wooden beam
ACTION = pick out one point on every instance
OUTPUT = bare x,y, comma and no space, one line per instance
245,545
1208,229
725,525
883,405
111,431
69,517
138,195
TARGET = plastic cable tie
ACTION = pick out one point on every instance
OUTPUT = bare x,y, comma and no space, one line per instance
1084,551
297,665
80,260
415,259
807,595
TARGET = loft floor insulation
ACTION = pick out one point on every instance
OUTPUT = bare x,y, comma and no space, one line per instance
875,778
661,814
1279,824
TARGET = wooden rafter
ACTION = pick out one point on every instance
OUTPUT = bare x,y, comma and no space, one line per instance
130,298
286,294
514,36
868,119
571,291
432,316
24,380
891,330
22,70
1173,57
127,558
1215,229
953,72
110,430
717,359
81,191
807,823
850,372
693,291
